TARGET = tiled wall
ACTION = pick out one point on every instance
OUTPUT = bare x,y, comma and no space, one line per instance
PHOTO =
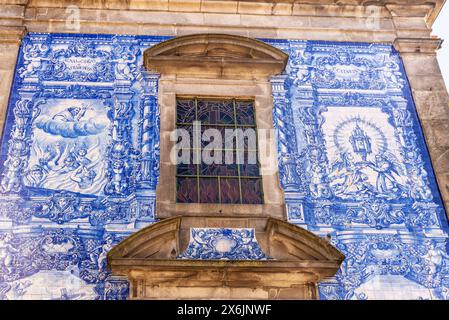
79,166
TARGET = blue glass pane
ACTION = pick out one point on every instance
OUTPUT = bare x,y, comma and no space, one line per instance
245,113
185,111
188,133
212,136
216,112
249,170
187,169
218,169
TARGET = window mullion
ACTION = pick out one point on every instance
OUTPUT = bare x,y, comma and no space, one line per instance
197,165
235,150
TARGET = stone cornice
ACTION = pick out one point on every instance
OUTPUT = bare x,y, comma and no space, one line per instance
426,45
11,34
12,13
428,9
345,20
433,15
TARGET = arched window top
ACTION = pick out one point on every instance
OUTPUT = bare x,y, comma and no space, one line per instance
215,55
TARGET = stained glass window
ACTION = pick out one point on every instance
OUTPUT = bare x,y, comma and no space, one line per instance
224,130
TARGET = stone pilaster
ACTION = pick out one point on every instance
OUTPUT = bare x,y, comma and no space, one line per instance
432,102
11,34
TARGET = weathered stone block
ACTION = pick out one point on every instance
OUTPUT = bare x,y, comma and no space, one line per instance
263,8
184,5
219,6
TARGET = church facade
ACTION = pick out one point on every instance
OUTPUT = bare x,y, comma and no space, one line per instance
349,201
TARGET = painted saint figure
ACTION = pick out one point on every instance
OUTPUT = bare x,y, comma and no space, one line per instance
35,177
386,182
348,179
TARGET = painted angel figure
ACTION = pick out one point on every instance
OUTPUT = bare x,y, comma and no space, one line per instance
33,57
105,248
49,159
7,252
303,69
12,178
83,175
125,61
391,72
435,257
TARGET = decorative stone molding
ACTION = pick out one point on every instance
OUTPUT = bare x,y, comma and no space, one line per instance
297,261
380,21
12,35
216,65
216,55
425,45
428,9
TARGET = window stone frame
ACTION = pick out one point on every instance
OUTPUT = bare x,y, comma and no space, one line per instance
219,66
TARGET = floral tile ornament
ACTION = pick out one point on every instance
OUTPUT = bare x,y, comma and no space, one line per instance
223,244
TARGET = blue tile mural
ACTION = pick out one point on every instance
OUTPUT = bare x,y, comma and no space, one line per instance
80,153
354,165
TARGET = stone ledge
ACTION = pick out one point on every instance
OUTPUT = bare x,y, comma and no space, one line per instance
398,8
423,45
12,34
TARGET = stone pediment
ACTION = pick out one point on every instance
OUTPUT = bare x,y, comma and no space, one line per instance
215,54
279,240
286,259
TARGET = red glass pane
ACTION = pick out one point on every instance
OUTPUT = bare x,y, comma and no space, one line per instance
230,191
187,190
209,190
251,191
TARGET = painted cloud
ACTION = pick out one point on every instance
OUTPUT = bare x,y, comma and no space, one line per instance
67,129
